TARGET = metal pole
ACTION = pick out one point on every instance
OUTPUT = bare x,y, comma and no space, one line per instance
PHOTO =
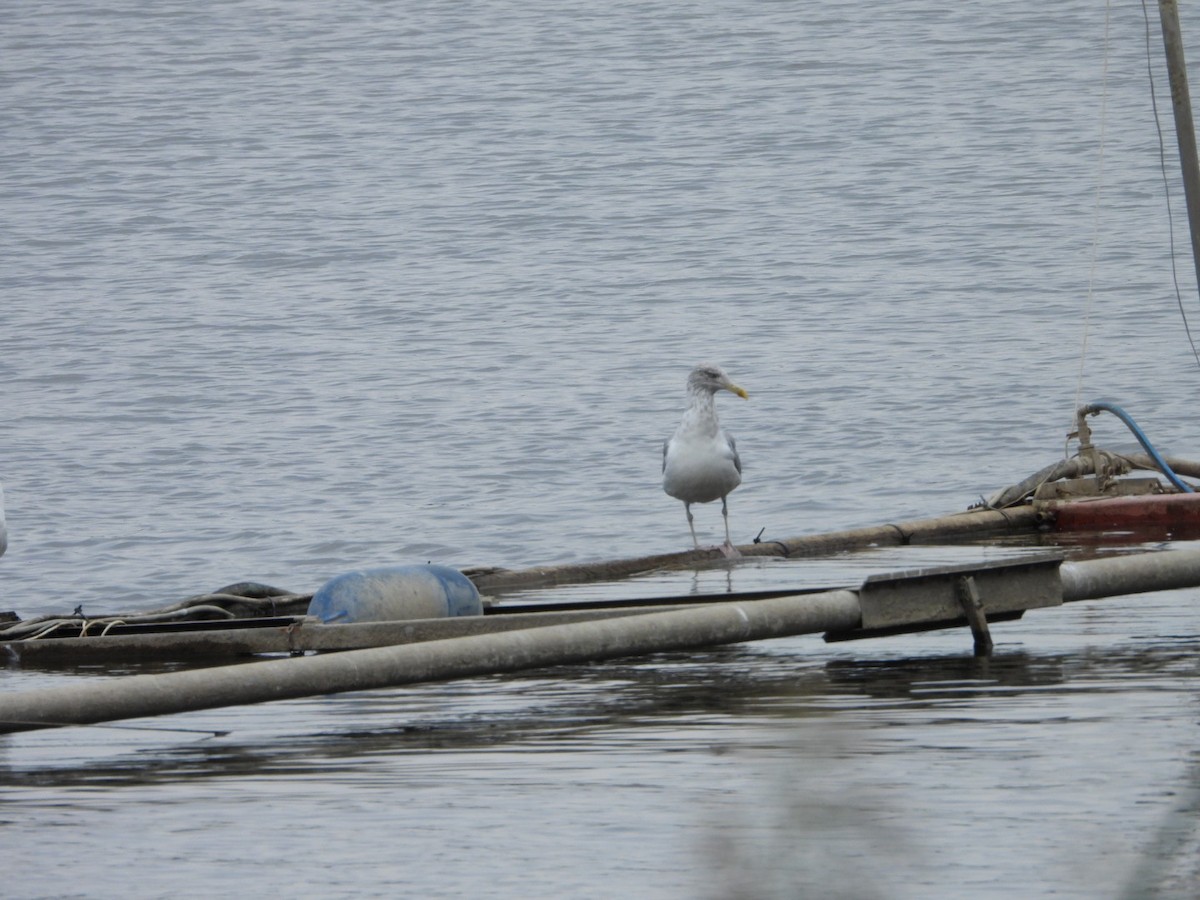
1168,11
355,670
1139,573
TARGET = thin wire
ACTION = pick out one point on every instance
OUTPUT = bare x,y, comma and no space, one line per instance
38,723
1087,313
1162,162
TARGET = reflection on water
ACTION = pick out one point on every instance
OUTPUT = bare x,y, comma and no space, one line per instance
606,705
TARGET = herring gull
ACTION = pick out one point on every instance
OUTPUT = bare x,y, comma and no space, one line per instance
700,461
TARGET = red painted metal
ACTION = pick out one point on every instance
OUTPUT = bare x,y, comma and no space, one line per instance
1167,512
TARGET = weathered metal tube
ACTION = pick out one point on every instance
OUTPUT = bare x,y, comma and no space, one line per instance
1112,576
150,695
943,529
1185,132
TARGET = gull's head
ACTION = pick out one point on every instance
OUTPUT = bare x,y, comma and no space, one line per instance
710,378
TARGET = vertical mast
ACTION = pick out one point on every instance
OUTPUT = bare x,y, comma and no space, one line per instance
1185,132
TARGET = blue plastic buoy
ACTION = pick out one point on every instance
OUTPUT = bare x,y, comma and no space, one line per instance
393,593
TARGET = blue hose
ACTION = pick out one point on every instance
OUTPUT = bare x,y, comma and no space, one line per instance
1102,406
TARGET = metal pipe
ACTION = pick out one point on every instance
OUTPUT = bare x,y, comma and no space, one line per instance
355,670
1113,576
962,526
1185,133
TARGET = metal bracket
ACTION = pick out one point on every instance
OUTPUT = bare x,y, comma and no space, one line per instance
968,596
930,599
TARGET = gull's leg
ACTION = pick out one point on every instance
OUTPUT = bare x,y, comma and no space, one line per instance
728,549
687,508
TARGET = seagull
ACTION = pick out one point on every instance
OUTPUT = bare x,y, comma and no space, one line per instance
700,461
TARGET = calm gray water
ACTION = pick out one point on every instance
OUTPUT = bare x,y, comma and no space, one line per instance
294,289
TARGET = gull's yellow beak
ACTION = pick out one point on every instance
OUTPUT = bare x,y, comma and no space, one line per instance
734,389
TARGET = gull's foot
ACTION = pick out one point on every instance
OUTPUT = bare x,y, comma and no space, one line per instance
730,551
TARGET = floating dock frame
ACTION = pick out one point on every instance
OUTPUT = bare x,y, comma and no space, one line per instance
890,603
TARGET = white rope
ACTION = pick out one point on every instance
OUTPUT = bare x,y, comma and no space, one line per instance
1087,313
